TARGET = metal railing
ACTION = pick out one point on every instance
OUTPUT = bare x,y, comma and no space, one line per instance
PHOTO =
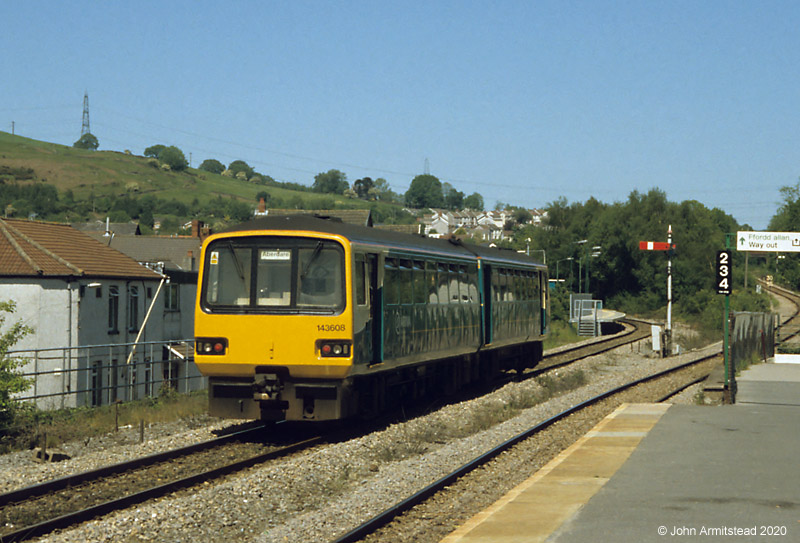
753,338
93,375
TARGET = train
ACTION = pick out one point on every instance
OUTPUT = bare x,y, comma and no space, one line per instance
308,318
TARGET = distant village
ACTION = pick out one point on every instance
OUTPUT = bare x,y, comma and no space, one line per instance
91,291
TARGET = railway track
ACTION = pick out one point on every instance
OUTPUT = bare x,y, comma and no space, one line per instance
42,508
397,522
39,509
409,519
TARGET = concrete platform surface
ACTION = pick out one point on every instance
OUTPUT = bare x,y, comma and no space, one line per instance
655,473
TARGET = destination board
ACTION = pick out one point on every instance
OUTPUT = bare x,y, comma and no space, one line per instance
780,242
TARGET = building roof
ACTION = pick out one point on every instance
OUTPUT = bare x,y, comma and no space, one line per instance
130,228
177,253
41,249
362,217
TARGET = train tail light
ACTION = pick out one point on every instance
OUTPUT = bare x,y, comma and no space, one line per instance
211,345
333,348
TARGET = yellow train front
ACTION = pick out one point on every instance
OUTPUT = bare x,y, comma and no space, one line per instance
302,318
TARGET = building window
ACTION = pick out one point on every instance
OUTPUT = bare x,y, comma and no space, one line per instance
172,299
113,309
133,309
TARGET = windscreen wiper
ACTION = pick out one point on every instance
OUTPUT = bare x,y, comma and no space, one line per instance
239,267
311,260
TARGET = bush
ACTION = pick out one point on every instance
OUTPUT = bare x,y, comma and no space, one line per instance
11,382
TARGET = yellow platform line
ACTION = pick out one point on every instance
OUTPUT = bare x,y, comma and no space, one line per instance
534,509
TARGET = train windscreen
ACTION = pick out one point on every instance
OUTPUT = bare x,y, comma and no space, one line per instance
267,274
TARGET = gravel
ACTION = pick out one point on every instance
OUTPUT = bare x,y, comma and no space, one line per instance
327,490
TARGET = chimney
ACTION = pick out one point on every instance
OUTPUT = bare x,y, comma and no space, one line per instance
262,206
197,228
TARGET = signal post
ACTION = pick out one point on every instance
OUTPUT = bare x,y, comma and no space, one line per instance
669,247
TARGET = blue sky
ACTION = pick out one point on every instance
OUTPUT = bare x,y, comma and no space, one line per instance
523,102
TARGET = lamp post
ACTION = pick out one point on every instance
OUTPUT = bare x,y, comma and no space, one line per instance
596,251
580,272
562,260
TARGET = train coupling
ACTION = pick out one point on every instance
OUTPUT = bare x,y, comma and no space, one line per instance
267,386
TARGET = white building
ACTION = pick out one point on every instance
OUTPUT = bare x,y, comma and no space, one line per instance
75,291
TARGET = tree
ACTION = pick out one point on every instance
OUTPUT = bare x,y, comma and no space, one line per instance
425,191
362,187
453,199
212,165
174,158
238,166
381,191
87,141
154,150
11,382
330,182
474,201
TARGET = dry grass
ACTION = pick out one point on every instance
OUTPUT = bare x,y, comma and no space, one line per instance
84,423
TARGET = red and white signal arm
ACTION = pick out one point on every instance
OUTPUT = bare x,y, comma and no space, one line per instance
655,246
723,272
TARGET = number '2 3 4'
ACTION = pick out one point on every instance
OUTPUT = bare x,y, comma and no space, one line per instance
723,272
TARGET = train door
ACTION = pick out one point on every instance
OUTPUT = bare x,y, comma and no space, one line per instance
486,298
544,289
375,308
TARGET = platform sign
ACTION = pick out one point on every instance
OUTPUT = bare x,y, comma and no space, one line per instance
723,272
780,242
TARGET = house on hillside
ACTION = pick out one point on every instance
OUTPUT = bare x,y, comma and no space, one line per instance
87,303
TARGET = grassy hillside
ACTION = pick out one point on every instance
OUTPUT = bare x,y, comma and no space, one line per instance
100,177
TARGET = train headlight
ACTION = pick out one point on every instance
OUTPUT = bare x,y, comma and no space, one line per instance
211,345
333,348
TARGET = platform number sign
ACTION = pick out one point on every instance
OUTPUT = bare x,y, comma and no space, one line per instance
723,272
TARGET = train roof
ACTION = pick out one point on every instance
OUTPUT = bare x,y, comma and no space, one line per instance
386,238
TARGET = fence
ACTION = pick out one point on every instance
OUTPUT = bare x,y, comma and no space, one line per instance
753,338
93,375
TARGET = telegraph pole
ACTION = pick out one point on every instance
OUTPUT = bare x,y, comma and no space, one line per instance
85,124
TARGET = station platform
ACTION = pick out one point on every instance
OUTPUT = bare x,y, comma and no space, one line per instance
659,472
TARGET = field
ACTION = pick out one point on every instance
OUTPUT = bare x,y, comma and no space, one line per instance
96,175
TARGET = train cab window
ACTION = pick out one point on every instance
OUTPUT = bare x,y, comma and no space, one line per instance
229,276
274,277
319,277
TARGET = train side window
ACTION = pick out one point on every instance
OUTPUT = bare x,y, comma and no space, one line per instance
431,284
361,280
502,283
473,284
463,284
406,288
442,280
420,291
391,282
453,269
